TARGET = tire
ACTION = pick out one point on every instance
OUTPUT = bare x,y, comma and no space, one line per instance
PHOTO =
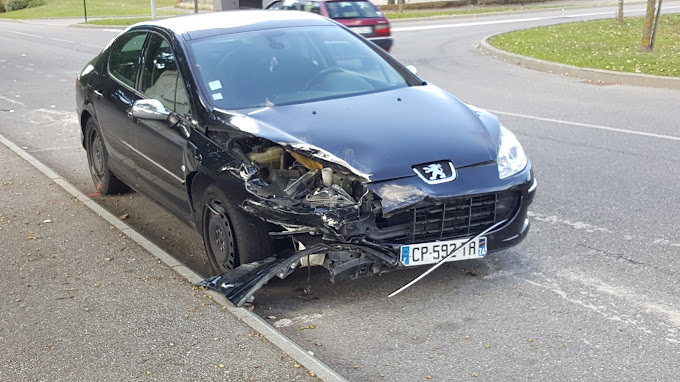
231,237
97,160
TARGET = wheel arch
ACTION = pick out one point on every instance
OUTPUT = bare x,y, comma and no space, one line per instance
197,183
84,117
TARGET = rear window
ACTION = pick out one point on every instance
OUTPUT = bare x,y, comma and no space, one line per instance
352,10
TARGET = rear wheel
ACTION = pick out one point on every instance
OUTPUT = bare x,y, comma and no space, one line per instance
231,237
97,160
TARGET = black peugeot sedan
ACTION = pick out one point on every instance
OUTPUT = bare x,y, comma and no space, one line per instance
288,140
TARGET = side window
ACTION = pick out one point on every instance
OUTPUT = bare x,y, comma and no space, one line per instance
289,5
312,6
124,58
161,78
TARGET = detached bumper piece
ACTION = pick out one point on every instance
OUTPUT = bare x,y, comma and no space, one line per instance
241,283
342,261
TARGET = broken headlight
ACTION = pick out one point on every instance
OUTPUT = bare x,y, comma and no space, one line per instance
296,177
511,158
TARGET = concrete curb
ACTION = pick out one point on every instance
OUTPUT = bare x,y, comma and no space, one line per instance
588,74
277,338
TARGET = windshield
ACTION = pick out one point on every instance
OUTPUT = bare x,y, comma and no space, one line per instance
352,10
285,66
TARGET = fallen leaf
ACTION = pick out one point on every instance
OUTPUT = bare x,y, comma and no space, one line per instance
124,216
31,236
271,317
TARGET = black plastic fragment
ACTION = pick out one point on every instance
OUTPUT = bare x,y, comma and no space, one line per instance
239,284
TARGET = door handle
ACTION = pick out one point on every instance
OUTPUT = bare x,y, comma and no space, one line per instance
99,94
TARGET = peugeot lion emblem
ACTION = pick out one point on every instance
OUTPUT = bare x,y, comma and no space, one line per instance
436,172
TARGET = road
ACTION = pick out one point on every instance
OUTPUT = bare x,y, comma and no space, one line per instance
592,294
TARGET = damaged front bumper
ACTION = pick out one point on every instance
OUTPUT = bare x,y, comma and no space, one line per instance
361,240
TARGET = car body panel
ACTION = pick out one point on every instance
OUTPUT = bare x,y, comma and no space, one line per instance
369,143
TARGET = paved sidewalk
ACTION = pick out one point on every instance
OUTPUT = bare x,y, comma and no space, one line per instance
82,302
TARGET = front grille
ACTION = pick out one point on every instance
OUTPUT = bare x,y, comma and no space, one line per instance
451,218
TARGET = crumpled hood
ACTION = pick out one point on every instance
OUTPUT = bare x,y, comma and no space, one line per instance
383,135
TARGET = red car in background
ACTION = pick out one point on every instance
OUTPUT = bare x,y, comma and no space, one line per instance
359,15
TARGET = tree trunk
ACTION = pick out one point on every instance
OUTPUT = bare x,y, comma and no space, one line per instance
619,13
656,24
646,42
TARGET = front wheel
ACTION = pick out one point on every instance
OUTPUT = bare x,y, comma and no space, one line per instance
97,160
231,237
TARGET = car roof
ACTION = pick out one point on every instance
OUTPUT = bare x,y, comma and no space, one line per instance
218,23
325,1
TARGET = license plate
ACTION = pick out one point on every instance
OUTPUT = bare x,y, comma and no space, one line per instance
431,253
363,30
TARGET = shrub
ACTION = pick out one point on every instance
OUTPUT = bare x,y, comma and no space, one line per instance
35,3
2,7
14,5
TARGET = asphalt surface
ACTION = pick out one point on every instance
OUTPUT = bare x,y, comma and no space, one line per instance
592,294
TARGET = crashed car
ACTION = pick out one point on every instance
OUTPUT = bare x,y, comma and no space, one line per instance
287,140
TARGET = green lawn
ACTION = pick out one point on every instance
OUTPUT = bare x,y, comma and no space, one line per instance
601,44
74,8
119,21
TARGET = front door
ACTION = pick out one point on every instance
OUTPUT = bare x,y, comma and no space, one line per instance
114,95
159,145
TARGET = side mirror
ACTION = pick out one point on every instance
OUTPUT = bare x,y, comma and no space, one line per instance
149,109
412,69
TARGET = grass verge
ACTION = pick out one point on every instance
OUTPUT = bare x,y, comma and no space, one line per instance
74,8
414,14
118,21
601,44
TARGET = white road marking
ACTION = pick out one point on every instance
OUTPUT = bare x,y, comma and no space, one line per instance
524,20
494,22
61,40
91,45
588,125
11,101
282,323
575,225
673,316
67,148
602,310
23,34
